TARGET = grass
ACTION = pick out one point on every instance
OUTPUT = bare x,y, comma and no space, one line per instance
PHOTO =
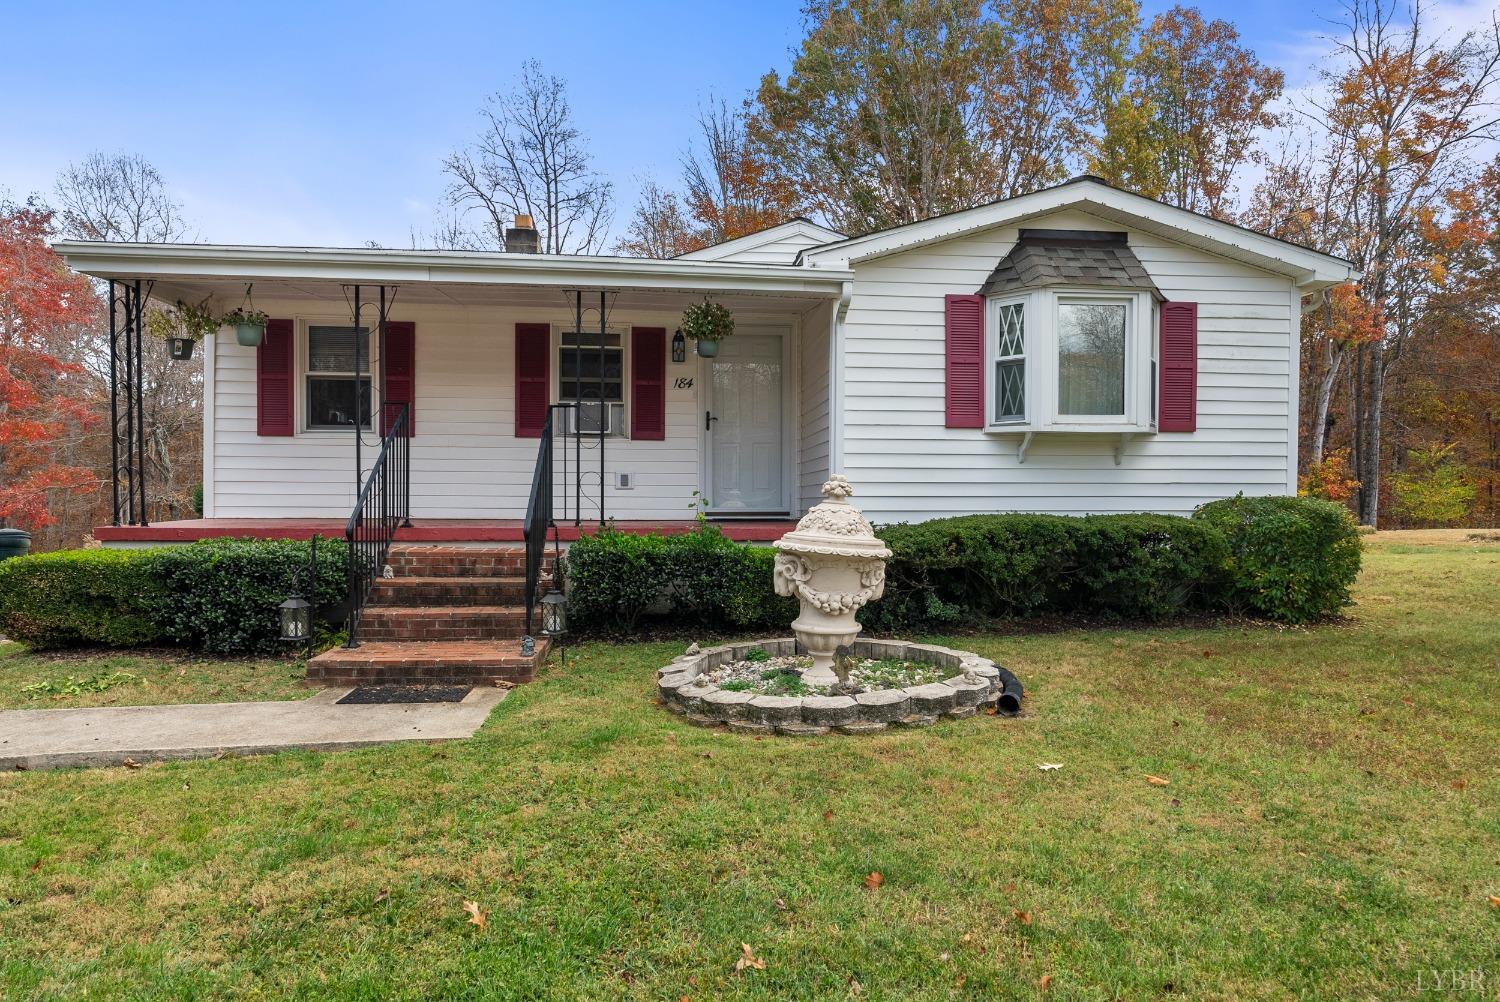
1331,829
41,681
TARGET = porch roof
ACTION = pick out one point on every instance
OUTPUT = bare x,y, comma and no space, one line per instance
192,271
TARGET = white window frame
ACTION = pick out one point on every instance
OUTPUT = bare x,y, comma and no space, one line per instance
303,367
993,358
560,329
1042,346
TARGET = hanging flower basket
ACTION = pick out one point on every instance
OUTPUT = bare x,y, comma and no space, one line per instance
180,348
706,324
249,326
183,326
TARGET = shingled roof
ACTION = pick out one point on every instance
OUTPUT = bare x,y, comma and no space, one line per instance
1069,257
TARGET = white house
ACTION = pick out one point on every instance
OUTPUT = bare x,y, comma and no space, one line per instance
1079,349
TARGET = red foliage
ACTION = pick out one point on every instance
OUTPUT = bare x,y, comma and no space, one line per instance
45,401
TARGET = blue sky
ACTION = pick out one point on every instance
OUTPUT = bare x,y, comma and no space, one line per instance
325,123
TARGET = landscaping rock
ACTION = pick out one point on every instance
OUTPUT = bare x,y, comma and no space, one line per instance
775,709
801,730
829,711
960,712
699,720
933,698
883,706
862,727
750,727
727,705
917,720
967,693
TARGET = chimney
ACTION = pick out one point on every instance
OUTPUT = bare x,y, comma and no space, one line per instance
521,238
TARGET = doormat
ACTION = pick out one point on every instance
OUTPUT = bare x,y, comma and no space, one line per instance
407,694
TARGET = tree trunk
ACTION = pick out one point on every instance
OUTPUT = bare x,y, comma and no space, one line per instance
1369,498
1332,362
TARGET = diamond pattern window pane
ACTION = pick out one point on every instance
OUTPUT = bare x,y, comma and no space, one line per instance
1010,390
1012,330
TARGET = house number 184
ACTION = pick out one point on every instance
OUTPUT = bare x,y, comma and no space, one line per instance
684,382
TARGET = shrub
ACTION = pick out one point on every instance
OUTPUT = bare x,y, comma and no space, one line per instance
221,595
988,566
218,595
1292,559
696,580
78,597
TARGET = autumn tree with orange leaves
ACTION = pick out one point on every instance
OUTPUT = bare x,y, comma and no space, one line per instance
45,401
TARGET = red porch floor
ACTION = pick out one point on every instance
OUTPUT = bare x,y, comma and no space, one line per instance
423,530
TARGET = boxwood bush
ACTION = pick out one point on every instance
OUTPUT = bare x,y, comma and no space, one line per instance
619,582
217,595
1292,559
76,597
977,567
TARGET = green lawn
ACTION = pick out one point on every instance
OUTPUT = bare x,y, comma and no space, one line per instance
1331,830
31,681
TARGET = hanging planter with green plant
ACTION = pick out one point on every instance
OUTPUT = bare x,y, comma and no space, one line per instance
249,323
182,327
706,324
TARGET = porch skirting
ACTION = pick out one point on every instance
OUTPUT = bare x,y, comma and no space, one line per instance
423,530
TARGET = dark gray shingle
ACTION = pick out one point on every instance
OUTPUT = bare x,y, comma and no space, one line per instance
1044,258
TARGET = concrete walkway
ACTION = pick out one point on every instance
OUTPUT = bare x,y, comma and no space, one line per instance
51,739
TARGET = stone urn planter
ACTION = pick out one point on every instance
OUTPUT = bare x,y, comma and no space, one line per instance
834,564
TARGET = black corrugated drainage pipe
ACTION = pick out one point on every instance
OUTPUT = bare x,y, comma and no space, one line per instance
1011,692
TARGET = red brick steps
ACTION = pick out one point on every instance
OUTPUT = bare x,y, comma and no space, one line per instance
418,662
449,614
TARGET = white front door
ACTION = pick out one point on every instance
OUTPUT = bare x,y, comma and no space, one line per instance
745,438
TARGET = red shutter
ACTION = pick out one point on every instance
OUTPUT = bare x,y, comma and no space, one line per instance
963,322
533,378
400,376
1177,360
273,380
648,383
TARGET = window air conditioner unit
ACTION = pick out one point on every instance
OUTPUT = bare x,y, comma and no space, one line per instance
587,416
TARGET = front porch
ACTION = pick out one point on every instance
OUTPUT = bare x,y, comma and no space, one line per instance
453,531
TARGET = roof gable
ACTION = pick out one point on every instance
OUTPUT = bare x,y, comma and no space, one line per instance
779,244
1309,269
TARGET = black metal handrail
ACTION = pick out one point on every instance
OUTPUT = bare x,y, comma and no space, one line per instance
540,513
384,504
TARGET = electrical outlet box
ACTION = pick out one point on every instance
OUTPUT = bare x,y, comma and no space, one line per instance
624,481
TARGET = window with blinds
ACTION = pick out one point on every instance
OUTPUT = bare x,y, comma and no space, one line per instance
335,390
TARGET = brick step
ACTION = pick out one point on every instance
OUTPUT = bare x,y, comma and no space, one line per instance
450,622
463,590
472,662
413,560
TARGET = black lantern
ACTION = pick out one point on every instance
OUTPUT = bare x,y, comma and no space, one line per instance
679,347
296,620
554,614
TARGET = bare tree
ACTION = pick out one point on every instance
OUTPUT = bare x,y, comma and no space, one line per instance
120,197
531,159
124,198
659,227
728,189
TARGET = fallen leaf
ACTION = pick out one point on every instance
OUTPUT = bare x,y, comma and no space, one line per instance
992,709
781,905
476,915
1158,781
707,755
1049,766
1176,802
874,880
1494,901
131,763
38,865
693,980
855,988
1459,784
748,959
1009,888
1045,982
385,892
1022,917
828,815
945,956
960,982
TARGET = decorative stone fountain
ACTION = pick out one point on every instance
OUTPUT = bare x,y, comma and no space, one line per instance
834,564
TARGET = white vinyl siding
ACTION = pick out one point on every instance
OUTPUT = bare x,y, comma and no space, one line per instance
907,466
466,460
813,429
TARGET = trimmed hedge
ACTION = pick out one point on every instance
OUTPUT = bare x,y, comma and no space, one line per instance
76,597
217,595
1292,559
617,582
978,567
